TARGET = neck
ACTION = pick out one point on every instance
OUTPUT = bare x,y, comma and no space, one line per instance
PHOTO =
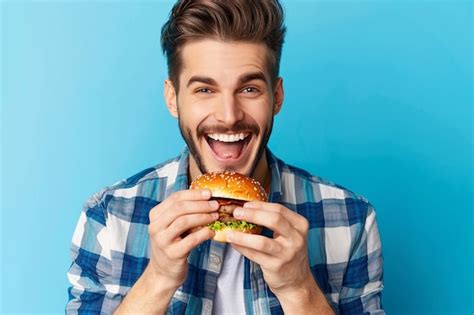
262,172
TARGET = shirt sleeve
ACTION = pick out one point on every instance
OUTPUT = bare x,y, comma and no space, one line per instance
93,289
363,280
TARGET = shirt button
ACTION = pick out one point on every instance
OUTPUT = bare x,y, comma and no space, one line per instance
215,260
207,305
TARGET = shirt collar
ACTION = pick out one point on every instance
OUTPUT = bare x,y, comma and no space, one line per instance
275,172
181,174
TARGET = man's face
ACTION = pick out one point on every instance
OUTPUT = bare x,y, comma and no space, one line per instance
225,104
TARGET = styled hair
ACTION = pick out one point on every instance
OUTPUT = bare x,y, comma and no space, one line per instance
258,21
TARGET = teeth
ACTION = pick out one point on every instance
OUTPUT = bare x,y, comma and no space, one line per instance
228,138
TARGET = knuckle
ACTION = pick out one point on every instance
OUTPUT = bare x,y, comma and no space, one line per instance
247,215
277,249
158,242
168,253
275,220
172,252
276,265
262,244
304,224
181,223
203,205
152,230
174,196
154,212
195,240
179,205
279,209
299,242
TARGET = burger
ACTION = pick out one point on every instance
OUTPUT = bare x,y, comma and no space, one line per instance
230,190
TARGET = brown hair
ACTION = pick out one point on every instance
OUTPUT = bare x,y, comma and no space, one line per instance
259,21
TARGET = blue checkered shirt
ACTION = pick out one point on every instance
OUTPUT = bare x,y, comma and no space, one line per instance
110,245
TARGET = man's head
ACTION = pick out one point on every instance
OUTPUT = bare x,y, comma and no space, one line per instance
223,63
237,20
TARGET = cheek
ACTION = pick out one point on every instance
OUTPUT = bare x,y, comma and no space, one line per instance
191,114
262,117
260,109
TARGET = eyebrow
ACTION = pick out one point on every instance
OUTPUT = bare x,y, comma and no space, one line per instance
201,79
242,80
252,76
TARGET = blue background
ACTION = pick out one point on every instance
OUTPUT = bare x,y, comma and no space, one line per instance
378,99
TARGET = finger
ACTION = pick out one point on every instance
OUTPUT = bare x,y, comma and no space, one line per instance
294,218
187,222
190,194
184,207
272,220
185,245
258,243
187,194
264,260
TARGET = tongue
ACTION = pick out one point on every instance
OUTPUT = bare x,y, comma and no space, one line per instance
226,150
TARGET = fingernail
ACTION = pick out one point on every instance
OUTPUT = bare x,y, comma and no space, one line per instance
238,212
206,193
249,205
229,235
213,204
215,215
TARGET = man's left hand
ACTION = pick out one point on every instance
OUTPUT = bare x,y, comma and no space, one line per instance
283,258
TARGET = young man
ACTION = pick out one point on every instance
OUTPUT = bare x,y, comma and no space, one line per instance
320,252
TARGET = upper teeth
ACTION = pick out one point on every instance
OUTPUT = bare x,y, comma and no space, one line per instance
227,138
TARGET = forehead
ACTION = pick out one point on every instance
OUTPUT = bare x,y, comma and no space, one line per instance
223,61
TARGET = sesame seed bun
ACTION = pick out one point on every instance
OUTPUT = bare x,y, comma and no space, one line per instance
230,185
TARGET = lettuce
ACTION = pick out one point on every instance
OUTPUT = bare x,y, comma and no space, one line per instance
234,225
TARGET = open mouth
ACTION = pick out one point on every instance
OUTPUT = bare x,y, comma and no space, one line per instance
229,147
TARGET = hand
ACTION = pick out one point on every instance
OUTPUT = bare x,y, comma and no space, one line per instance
180,212
283,259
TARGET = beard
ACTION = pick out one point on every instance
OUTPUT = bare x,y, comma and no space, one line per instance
187,135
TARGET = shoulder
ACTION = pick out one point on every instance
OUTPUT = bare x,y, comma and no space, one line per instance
139,191
335,204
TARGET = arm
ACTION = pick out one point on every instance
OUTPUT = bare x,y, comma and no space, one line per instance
363,280
95,288
306,299
150,295
169,249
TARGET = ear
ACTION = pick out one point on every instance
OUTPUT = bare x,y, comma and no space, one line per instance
278,96
170,98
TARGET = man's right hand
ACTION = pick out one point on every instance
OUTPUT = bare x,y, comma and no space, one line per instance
170,246
169,222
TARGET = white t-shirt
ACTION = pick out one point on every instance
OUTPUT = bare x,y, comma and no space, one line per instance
229,298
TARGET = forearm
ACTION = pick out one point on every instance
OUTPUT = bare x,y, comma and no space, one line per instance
308,299
151,294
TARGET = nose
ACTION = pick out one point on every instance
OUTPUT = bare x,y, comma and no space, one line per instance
229,111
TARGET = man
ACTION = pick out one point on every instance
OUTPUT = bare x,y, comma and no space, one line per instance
320,252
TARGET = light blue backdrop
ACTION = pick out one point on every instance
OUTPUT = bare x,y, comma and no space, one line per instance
378,99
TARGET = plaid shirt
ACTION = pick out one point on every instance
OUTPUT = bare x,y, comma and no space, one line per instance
110,244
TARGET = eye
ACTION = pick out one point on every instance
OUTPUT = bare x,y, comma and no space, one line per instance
250,89
203,90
